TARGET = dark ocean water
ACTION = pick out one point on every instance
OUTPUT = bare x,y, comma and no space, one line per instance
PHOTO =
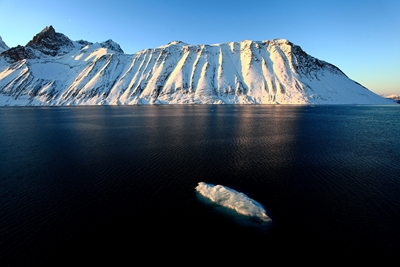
89,185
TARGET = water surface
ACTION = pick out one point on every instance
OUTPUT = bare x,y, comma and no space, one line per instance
86,184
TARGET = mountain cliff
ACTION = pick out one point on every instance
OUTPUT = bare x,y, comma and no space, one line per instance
3,46
54,70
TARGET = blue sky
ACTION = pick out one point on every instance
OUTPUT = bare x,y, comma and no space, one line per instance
361,37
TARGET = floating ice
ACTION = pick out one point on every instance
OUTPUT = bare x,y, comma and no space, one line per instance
232,199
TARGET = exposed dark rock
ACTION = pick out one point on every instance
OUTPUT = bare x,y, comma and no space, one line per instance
84,43
49,42
110,44
306,64
17,53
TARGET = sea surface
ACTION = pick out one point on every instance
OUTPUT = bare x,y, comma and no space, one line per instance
87,185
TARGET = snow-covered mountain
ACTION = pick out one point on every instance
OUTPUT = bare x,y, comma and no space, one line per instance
53,70
3,46
393,97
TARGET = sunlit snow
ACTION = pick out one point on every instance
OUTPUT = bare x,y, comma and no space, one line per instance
234,200
247,72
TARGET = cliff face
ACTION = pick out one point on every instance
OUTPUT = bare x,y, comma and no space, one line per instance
53,70
3,46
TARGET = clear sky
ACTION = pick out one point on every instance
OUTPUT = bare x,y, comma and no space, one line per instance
361,37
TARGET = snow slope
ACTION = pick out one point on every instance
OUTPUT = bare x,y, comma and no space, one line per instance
53,70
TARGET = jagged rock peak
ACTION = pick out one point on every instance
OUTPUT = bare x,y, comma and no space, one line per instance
46,43
47,32
110,44
49,42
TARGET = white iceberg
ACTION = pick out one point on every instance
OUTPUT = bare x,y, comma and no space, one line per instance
232,199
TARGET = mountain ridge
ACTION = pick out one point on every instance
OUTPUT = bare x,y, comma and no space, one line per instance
54,70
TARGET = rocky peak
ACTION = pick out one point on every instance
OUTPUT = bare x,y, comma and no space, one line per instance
49,42
47,33
110,44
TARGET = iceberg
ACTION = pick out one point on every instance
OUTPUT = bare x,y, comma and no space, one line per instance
234,200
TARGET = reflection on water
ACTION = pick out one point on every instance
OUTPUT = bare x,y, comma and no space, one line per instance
74,178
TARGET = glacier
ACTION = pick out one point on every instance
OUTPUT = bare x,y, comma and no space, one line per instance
54,70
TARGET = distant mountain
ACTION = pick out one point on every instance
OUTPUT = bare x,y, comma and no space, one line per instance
3,46
394,97
54,70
